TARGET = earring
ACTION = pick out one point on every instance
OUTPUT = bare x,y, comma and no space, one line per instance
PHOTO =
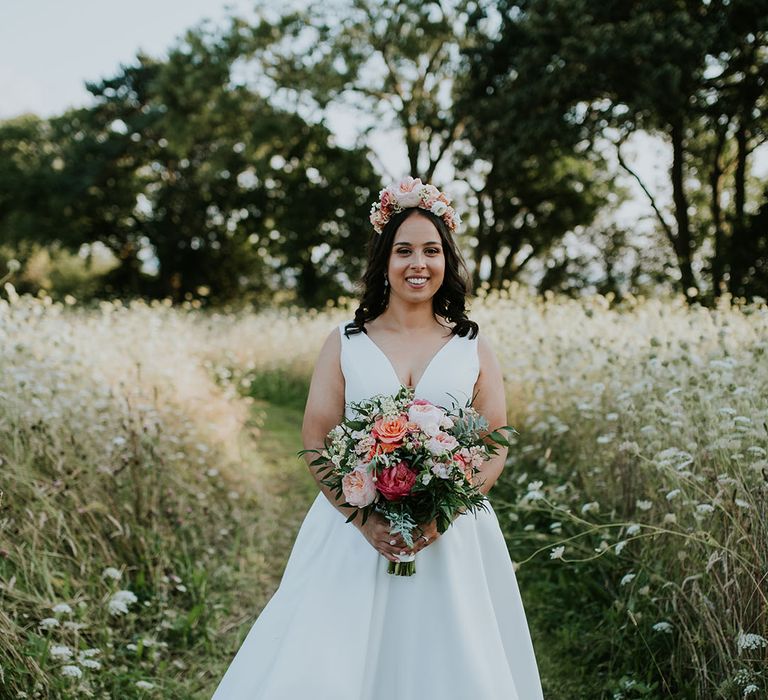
386,281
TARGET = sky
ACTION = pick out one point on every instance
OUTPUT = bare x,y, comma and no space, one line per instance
49,48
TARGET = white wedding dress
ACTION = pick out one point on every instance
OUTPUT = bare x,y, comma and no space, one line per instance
340,627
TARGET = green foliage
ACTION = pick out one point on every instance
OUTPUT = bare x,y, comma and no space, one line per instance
228,196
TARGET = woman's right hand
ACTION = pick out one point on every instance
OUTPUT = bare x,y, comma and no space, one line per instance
376,531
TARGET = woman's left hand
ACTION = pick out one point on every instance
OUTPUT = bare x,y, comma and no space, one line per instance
424,535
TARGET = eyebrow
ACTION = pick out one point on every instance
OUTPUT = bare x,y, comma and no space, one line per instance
427,243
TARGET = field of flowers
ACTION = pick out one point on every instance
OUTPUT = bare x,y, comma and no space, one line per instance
142,527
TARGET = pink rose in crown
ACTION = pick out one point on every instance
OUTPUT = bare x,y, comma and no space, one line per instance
359,487
409,184
396,482
409,193
387,203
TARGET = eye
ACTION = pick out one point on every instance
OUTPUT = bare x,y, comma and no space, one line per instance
433,250
403,250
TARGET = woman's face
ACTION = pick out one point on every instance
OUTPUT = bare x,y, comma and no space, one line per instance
417,263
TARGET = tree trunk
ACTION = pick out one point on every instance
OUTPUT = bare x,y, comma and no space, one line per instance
715,184
739,249
682,243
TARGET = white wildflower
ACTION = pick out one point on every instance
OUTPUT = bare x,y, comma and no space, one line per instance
534,491
91,663
749,689
605,439
60,651
74,626
670,518
741,503
633,529
111,572
71,671
89,653
590,507
619,546
48,623
672,494
62,608
704,508
629,446
626,579
119,602
145,685
644,505
557,552
663,626
750,641
612,416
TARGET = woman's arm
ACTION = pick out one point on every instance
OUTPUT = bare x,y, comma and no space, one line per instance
491,403
325,409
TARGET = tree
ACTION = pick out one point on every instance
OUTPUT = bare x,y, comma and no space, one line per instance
690,71
227,195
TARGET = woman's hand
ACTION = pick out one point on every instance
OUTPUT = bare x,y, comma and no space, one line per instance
424,535
376,531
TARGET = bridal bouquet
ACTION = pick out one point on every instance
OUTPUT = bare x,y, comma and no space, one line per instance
410,460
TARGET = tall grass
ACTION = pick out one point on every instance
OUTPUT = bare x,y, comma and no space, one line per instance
634,500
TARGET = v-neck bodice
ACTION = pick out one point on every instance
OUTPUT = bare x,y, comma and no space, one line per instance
450,374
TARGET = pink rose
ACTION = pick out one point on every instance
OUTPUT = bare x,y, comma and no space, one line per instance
426,415
396,482
409,184
359,487
464,459
442,442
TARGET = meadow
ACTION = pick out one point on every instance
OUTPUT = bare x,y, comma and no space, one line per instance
150,490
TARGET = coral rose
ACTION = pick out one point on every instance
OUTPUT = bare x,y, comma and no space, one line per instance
396,482
390,430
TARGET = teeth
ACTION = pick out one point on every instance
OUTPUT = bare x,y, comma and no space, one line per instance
416,280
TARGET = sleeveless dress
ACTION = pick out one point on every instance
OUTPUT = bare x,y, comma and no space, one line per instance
339,627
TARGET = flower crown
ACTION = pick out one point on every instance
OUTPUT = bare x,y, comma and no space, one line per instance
412,192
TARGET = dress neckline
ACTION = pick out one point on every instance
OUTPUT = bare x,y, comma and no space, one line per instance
426,369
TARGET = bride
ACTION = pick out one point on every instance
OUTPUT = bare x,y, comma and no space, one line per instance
340,627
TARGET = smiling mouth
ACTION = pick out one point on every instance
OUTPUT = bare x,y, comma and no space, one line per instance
417,281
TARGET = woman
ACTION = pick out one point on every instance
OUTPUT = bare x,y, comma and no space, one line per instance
340,627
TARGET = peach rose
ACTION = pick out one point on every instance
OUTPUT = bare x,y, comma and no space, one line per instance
396,482
359,487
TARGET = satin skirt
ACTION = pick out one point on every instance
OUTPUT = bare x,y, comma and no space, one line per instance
340,627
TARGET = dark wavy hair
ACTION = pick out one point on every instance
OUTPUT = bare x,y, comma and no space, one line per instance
449,301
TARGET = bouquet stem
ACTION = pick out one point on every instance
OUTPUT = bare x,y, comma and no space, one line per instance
406,566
